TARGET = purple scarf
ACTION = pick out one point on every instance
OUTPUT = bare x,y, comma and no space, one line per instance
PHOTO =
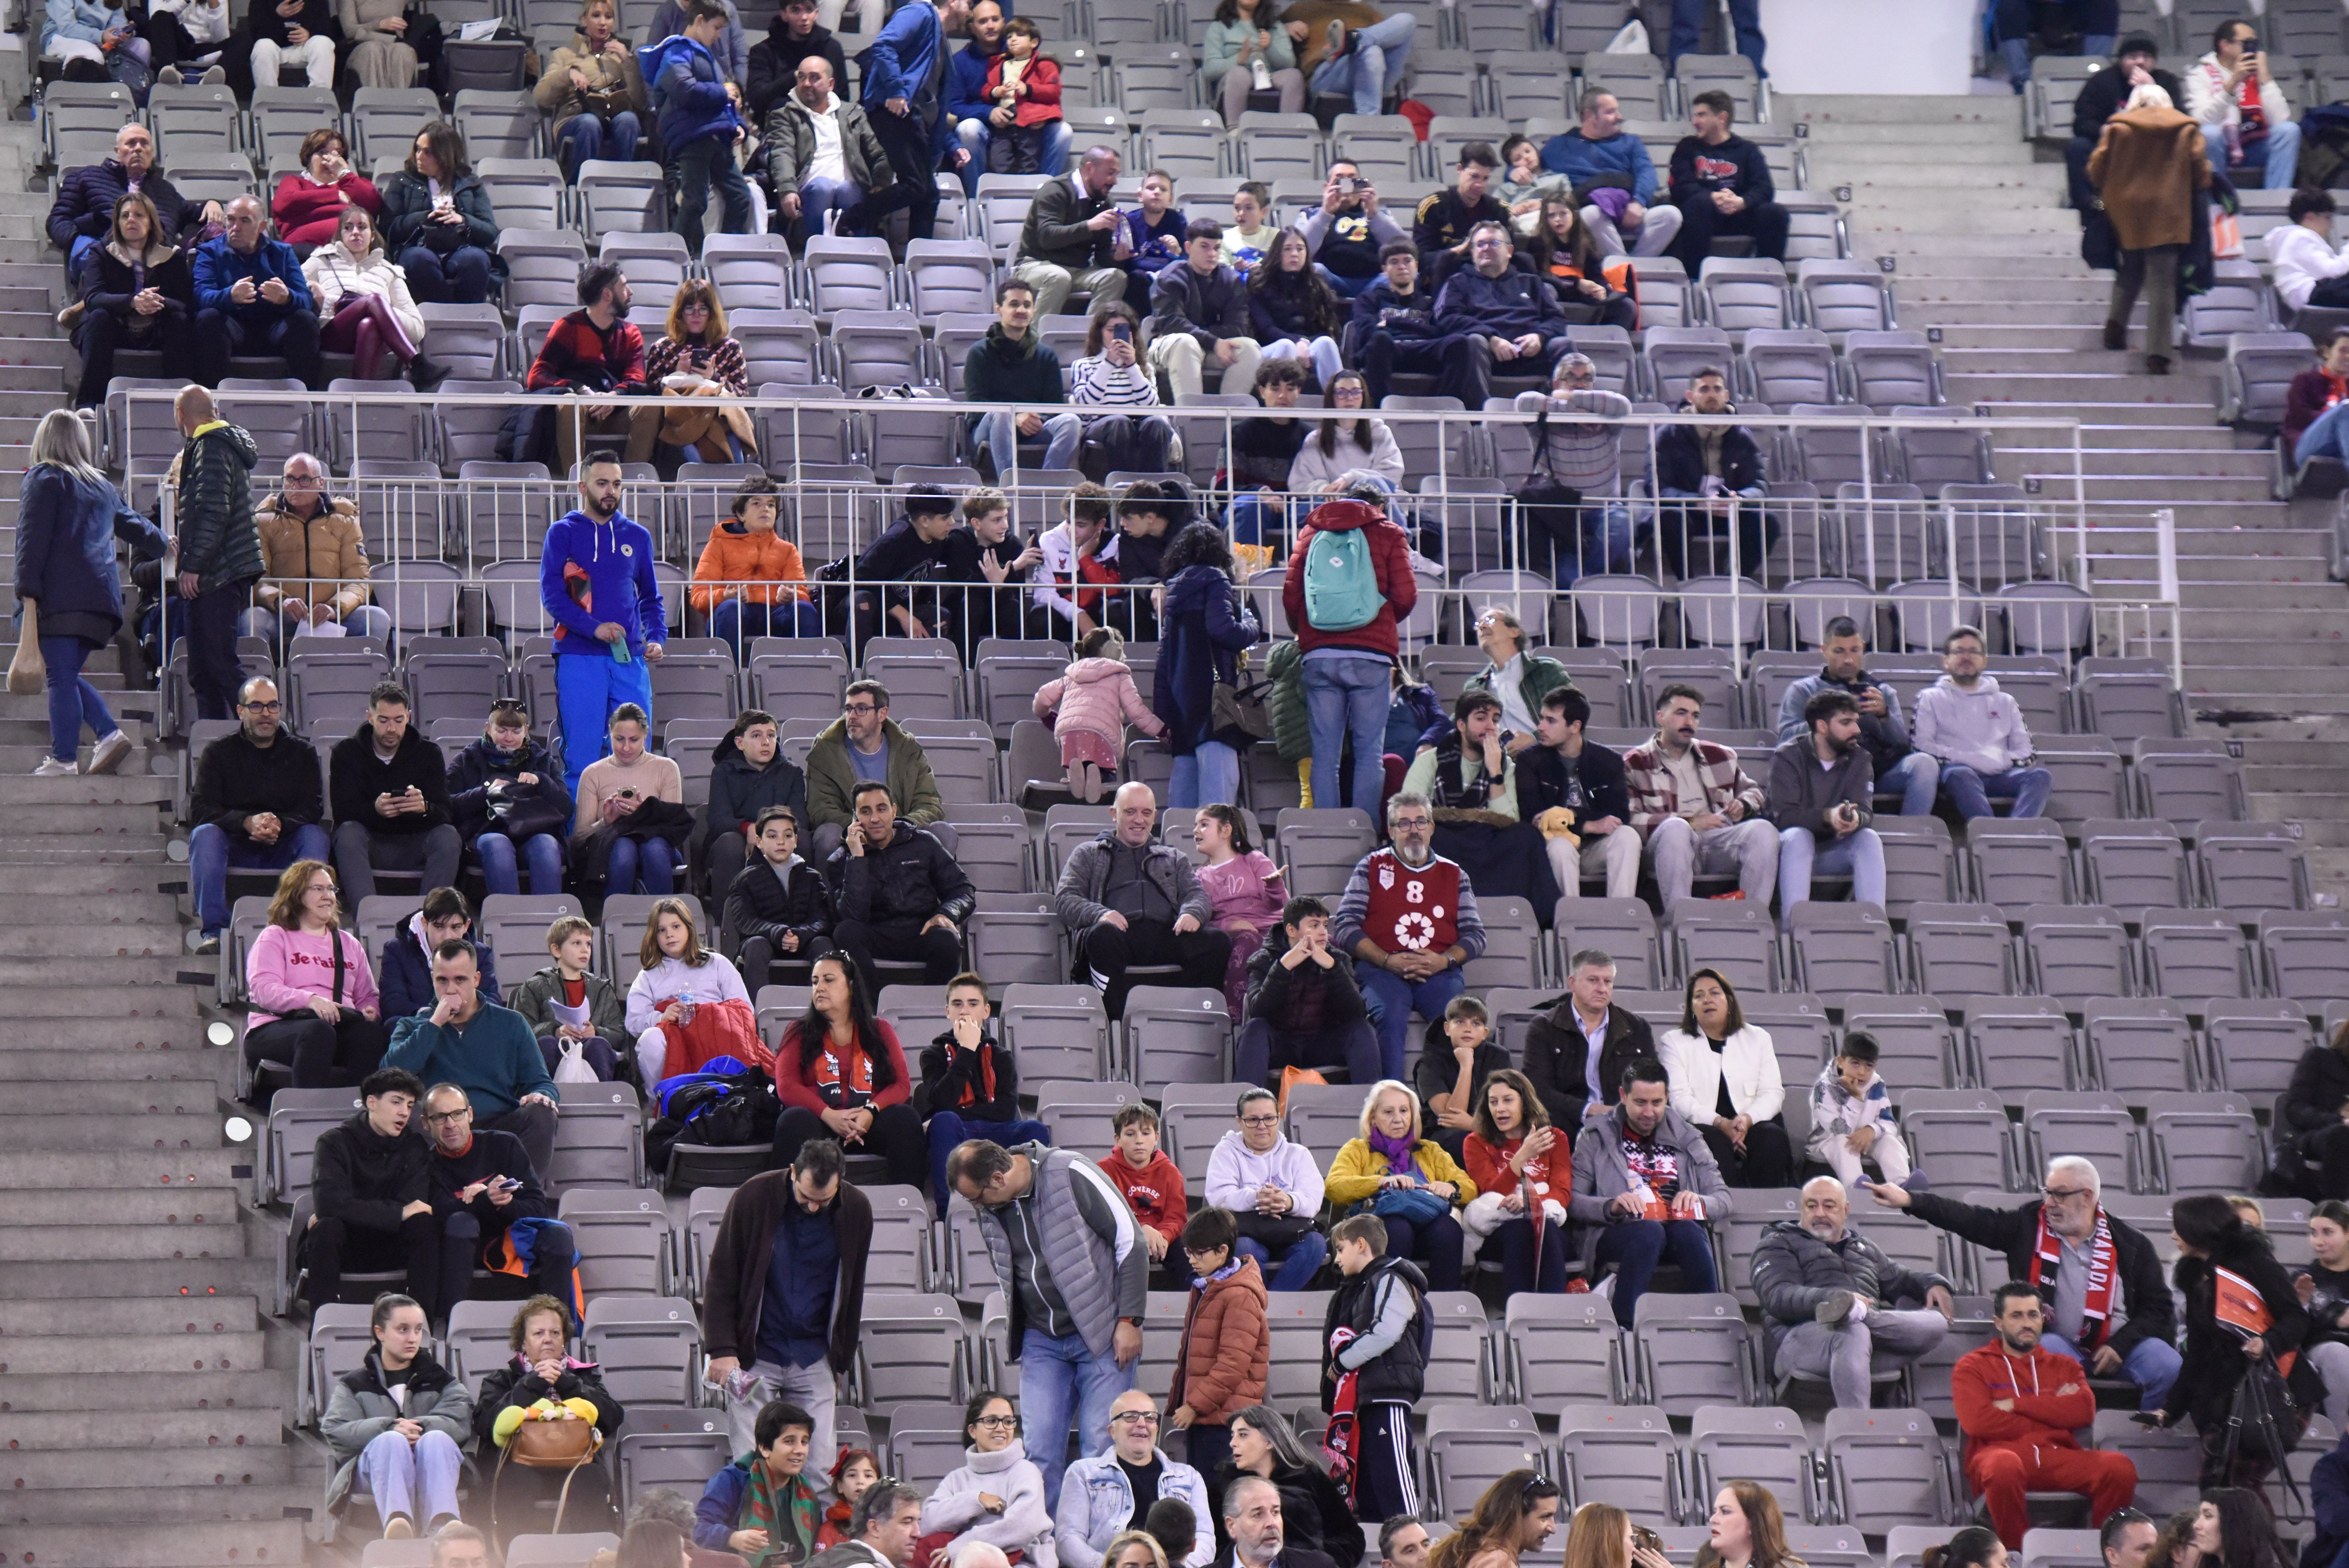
1397,1151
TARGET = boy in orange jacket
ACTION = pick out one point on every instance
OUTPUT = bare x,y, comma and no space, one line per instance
2017,1406
1227,1351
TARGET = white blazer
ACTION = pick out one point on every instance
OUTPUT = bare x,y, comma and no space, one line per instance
1747,1058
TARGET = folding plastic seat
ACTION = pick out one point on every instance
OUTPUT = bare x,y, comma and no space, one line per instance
284,115
296,1119
649,1348
1832,455
2077,1122
1919,865
1790,365
1890,369
2140,1047
1692,1351
623,930
694,685
901,1242
623,1241
1324,1118
1469,1447
1621,1454
623,197
1173,134
2258,372
843,274
1742,293
1885,530
1766,1446
2198,955
1512,956
911,1346
1842,947
2133,864
1636,82
1960,1135
784,345
93,108
1673,355
327,694
1060,1032
2129,698
2167,1479
1708,669
2255,1045
1294,1318
1560,1347
339,1343
674,1460
1887,1466
1997,541
599,1140
948,277
1529,94
2076,950
2019,1043
1960,949
1189,1036
2306,955
2244,868
527,193
2204,1143
1739,941
876,348
922,684
1272,147
497,125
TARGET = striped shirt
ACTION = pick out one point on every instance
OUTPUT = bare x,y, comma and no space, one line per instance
1096,380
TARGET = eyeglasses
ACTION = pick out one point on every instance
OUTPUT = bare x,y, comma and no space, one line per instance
2066,1194
860,708
264,707
1259,1121
1136,1417
995,1422
436,1119
1408,822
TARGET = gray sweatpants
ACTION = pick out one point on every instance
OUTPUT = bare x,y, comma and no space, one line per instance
1845,1354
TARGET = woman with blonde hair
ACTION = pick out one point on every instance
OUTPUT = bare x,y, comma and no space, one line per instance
679,977
314,1003
1603,1537
1129,1549
594,91
1407,1180
693,357
68,587
1745,1529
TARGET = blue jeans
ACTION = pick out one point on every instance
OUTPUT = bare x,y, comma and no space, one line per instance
540,853
977,135
2151,1364
1056,1374
418,1480
1377,57
1255,519
820,198
1606,543
1688,22
461,277
1970,791
736,621
1917,776
693,169
641,865
1344,288
2327,437
1299,1264
587,686
949,1127
1208,777
583,138
73,701
1636,1247
2274,160
367,621
1859,856
1391,999
211,851
999,433
1346,698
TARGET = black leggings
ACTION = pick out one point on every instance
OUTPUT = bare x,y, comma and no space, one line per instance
323,1055
896,1135
1768,1160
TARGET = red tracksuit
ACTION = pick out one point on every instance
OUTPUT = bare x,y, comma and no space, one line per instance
2031,1448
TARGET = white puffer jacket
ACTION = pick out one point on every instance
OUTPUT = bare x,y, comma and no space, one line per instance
336,275
2208,101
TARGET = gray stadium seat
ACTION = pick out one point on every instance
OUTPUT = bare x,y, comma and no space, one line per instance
1621,1454
1692,1350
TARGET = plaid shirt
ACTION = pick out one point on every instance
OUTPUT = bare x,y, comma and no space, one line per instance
1656,795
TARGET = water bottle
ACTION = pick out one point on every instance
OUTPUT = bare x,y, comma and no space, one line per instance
1262,74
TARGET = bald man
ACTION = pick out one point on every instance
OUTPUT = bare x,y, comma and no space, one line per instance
252,298
1074,239
822,154
1831,1299
1128,900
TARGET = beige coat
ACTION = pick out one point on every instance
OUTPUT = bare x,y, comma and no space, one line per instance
324,562
379,59
2149,164
560,99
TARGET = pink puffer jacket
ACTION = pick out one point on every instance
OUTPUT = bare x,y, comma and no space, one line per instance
1098,697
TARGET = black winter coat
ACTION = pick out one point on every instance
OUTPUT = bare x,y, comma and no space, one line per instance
1402,1372
492,1153
516,1385
360,776
948,1074
761,903
1680,459
2211,1359
482,764
2145,1294
364,1179
1314,1514
1543,781
2320,1087
912,879
1794,1272
1274,990
218,540
1558,1059
404,975
86,197
236,780
738,792
106,284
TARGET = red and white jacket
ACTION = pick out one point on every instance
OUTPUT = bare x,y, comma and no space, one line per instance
2041,1417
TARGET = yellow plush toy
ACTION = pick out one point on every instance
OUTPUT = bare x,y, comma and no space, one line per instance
1558,822
542,1410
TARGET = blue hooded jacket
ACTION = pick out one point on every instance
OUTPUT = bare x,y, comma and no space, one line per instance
898,65
689,91
1580,160
617,557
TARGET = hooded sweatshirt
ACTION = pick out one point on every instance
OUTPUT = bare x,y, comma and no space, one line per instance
408,971
1235,1172
1982,728
1390,558
1096,697
689,91
2041,1419
610,566
738,790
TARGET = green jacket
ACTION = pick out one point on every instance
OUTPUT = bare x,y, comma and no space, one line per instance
1292,731
534,998
218,540
831,778
1542,677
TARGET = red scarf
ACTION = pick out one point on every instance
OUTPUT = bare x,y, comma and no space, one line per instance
2047,1256
985,1093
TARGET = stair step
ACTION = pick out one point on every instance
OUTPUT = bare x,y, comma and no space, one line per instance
193,1505
185,1207
50,1431
2087,395
168,1131
155,1546
188,1278
135,1101
89,1243
206,1167
189,1391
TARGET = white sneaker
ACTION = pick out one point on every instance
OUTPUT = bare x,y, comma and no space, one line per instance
170,76
216,77
110,752
51,768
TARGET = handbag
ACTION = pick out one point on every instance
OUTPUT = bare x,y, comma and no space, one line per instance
565,1443
2263,1426
524,817
1552,510
1240,709
28,672
1414,1205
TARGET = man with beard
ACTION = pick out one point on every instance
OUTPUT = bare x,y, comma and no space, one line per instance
2018,1404
1821,798
592,351
595,581
1409,917
1829,1298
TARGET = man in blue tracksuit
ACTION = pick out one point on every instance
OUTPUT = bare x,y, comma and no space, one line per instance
597,584
904,97
699,124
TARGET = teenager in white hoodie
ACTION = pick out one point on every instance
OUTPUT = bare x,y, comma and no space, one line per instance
998,1495
687,977
1270,1185
1977,733
2230,92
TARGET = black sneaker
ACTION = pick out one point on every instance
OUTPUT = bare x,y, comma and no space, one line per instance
2116,335
424,375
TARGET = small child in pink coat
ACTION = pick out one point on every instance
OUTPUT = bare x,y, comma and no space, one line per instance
1094,702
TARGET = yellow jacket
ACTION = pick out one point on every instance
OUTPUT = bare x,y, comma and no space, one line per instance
1354,1173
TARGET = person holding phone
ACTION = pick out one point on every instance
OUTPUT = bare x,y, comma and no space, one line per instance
693,359
1820,796
1111,375
482,1183
2246,120
391,800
